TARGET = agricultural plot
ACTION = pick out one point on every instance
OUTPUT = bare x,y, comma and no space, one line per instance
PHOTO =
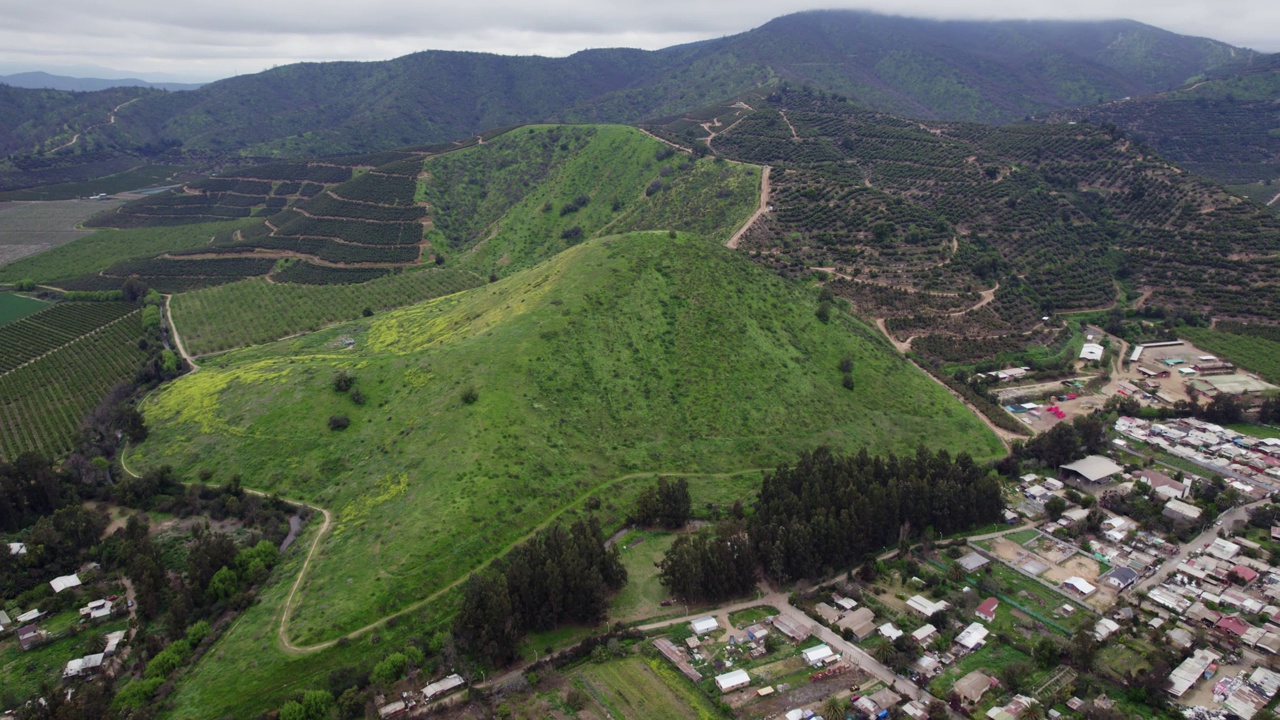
636,689
57,325
42,403
234,316
27,228
643,594
1256,348
14,306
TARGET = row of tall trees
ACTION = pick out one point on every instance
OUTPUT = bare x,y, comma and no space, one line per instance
710,565
666,503
561,575
828,511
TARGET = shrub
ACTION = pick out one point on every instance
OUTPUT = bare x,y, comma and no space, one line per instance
573,233
470,395
339,422
343,381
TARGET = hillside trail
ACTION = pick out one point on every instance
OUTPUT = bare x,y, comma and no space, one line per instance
761,209
177,339
713,134
1273,200
1146,295
987,297
787,120
111,120
665,141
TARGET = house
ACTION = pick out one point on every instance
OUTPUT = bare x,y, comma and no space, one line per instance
886,698
1105,628
65,582
731,681
1223,549
1160,481
793,629
916,710
29,636
925,606
1091,352
1075,515
96,610
1231,625
925,634
1079,585
1094,469
987,610
113,641
393,709
1177,510
16,548
704,625
973,637
926,666
1190,671
860,623
973,686
828,614
890,631
1180,638
1120,578
972,562
1053,484
819,655
82,665
844,603
443,687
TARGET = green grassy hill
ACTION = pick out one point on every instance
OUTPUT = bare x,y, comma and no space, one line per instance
620,356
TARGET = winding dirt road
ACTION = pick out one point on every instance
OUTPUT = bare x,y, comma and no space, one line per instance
111,120
761,209
177,339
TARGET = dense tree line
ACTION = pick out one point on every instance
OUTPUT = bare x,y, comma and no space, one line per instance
828,511
1062,444
711,565
666,503
561,575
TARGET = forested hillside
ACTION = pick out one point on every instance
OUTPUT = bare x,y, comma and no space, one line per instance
987,71
962,236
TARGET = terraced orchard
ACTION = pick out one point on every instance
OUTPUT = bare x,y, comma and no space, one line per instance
483,414
56,365
962,237
518,198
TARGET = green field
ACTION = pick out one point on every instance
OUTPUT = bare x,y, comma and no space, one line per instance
254,311
642,596
104,248
605,364
636,689
139,178
14,306
1255,354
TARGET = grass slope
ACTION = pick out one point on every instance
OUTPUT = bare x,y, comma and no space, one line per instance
502,206
619,356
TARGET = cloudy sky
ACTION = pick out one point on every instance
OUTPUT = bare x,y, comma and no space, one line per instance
206,40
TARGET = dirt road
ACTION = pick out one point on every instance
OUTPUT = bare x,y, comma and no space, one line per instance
177,339
761,209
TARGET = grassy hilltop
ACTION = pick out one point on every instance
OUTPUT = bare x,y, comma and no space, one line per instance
622,355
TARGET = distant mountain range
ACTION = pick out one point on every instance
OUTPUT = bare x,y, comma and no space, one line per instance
48,81
992,72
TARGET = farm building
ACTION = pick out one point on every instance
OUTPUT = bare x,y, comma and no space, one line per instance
845,603
819,655
1079,585
987,610
973,637
96,610
925,634
925,606
1223,549
972,562
65,582
442,687
1247,389
1094,469
1091,352
973,686
1190,671
793,629
826,612
861,623
1178,510
30,636
704,625
889,630
80,666
393,709
1105,628
731,681
16,548
677,658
